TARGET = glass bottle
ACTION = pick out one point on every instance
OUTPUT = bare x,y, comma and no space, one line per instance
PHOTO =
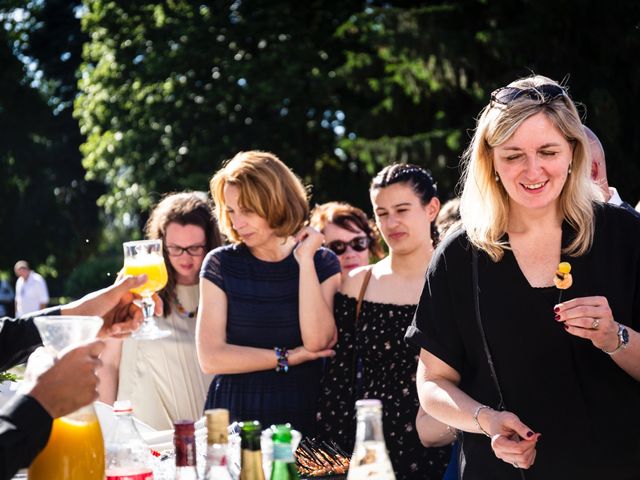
217,445
251,455
184,441
370,458
284,465
128,456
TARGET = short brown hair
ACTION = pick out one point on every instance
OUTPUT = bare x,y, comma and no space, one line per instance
267,186
347,216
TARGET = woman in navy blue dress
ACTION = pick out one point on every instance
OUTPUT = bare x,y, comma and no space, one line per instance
265,318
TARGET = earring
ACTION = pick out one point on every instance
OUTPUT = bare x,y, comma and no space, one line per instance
569,171
496,177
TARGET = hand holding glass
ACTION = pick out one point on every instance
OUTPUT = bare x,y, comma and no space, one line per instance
145,256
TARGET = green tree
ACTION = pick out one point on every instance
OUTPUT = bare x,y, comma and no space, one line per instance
171,89
49,213
419,76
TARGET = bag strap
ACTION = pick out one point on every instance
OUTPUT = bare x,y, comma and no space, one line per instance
476,300
492,369
363,290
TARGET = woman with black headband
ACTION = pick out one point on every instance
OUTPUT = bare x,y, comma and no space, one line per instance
374,308
543,382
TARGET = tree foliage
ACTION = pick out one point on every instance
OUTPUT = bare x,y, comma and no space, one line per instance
169,89
48,213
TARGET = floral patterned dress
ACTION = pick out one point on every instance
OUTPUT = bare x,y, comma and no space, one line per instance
373,361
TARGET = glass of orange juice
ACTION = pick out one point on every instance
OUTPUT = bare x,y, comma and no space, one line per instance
145,256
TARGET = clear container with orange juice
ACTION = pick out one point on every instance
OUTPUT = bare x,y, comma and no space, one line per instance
75,449
146,256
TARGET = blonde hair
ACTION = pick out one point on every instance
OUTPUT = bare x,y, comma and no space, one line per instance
267,186
484,203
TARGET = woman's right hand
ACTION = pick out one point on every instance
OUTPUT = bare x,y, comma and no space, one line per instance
300,355
512,441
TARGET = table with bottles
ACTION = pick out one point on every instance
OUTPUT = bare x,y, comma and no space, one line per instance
228,452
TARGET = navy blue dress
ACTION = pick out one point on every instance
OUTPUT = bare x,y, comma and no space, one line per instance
262,312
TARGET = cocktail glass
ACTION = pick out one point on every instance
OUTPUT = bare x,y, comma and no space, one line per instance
145,256
75,448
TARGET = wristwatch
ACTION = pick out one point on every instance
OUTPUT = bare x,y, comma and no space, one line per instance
623,340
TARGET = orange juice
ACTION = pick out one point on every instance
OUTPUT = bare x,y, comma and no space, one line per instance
75,450
151,265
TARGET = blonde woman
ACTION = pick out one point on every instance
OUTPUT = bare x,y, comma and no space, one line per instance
552,391
266,300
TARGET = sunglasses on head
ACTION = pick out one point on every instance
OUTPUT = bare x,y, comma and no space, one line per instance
359,244
544,94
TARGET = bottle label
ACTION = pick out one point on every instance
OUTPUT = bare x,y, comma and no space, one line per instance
282,452
185,447
128,474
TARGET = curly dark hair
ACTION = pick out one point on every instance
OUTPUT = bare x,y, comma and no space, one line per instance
183,208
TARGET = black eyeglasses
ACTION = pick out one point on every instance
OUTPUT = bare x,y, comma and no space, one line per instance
359,244
193,250
544,94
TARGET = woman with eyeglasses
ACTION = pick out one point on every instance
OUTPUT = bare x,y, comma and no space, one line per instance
347,233
266,309
161,377
543,382
372,360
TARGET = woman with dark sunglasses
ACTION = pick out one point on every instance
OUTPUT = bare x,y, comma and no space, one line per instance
544,383
372,360
348,233
162,378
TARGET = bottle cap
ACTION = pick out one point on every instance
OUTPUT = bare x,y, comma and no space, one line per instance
122,406
250,432
281,433
368,404
217,423
184,427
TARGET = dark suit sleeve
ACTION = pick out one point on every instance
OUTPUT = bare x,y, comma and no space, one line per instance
24,430
19,337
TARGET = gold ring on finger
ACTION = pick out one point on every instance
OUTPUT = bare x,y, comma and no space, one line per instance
595,324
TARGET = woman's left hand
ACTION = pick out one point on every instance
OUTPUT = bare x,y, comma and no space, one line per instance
309,240
590,318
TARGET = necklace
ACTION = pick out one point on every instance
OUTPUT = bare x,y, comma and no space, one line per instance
183,312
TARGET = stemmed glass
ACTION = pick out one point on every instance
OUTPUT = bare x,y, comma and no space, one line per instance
145,256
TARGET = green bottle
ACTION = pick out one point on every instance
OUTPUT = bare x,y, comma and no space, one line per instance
251,455
284,465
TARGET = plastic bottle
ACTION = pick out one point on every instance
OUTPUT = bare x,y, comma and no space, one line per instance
217,445
284,465
251,455
184,441
128,456
370,458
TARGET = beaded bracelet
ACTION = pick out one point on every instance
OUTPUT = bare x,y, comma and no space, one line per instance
475,418
282,355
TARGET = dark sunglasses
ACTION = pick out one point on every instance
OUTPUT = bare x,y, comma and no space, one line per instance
359,244
544,94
